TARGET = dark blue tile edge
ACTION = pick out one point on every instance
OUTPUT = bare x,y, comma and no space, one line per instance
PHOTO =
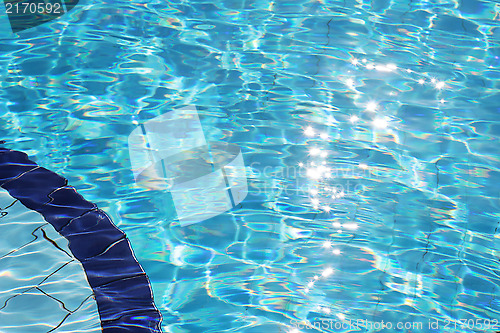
121,287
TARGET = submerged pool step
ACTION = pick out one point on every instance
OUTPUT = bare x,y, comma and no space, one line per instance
120,285
42,286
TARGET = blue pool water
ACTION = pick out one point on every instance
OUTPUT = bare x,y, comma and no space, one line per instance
369,131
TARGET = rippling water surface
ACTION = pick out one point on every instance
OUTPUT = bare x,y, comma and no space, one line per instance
369,128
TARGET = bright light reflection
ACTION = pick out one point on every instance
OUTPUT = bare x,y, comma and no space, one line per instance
380,123
351,226
371,106
331,120
313,173
327,272
440,85
354,119
309,131
391,67
314,151
318,170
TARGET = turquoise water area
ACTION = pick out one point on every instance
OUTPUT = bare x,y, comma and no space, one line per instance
370,134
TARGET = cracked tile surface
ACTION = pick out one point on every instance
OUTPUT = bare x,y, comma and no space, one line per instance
43,288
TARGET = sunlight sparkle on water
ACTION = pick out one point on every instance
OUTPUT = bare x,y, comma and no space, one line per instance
440,85
363,166
314,151
376,119
330,120
371,106
380,123
309,131
327,272
351,226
